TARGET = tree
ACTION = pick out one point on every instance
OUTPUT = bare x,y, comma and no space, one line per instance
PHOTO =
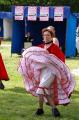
74,4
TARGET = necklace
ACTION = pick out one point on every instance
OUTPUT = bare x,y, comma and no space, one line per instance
49,42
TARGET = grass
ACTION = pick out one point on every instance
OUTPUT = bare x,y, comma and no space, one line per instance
16,104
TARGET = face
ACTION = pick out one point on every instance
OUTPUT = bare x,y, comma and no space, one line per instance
47,36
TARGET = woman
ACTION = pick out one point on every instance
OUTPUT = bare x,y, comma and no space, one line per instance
45,74
3,73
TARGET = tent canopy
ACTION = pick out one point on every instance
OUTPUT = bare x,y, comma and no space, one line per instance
65,30
76,14
7,15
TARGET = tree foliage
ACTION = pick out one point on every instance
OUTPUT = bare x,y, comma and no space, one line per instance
74,4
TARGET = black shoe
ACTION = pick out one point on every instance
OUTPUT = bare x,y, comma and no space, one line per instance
39,111
47,103
55,112
1,85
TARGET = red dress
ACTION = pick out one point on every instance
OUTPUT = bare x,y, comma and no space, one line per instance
3,72
54,49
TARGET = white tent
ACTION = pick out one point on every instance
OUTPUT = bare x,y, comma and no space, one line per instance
7,27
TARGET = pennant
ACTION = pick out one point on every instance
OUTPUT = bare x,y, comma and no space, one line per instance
32,13
58,13
19,12
44,13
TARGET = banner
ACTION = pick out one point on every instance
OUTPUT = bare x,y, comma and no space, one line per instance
32,13
19,12
58,13
44,13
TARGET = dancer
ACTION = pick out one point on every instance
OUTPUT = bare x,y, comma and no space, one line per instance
46,75
3,73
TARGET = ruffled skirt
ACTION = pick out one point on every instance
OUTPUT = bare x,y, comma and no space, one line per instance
44,73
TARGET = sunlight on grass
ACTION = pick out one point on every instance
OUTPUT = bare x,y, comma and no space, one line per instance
16,104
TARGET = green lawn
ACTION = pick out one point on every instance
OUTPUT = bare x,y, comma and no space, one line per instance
16,104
